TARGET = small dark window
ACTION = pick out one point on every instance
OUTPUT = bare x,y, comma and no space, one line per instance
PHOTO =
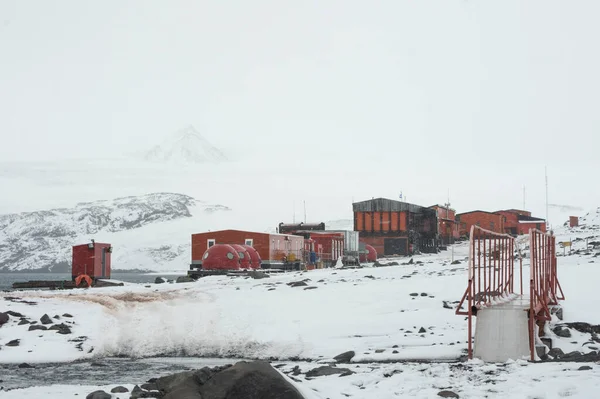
492,225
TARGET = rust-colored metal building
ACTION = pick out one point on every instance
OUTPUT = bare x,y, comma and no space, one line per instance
91,259
448,227
517,221
275,250
290,228
486,220
394,227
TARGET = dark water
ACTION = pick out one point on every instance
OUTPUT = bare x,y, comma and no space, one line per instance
7,279
106,371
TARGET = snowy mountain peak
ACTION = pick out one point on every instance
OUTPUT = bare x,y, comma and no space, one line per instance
185,146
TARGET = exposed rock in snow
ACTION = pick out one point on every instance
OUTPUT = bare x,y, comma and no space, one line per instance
186,146
43,239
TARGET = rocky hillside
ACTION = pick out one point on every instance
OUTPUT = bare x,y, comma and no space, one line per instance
42,240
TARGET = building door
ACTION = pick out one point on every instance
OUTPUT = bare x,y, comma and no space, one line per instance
103,262
395,246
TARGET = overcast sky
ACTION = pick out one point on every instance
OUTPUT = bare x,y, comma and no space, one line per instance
438,86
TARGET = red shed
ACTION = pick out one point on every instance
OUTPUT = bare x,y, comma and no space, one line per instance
573,221
331,246
92,259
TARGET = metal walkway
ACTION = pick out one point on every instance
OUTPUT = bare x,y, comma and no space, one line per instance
491,283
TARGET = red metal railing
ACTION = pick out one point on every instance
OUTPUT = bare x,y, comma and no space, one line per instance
491,273
544,287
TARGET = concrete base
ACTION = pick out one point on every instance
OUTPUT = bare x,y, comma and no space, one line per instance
502,333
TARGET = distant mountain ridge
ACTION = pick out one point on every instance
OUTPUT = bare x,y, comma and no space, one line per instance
43,239
186,146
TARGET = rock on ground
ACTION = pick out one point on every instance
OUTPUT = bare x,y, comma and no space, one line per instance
4,318
244,380
344,357
99,395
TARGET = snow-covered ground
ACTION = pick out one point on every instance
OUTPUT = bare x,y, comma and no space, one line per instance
369,311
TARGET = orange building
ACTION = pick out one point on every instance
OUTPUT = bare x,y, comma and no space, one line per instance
448,227
394,227
517,222
485,220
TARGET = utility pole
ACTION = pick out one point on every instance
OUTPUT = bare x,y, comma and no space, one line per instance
547,221
304,212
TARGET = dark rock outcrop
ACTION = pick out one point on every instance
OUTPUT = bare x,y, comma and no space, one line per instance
14,342
119,389
344,357
4,318
99,395
257,274
244,380
37,327
448,394
15,314
46,319
328,370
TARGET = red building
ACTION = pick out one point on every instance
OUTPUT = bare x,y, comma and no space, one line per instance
486,220
394,227
448,227
573,221
517,222
274,249
91,259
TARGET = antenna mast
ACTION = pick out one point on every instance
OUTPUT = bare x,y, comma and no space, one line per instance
547,221
305,211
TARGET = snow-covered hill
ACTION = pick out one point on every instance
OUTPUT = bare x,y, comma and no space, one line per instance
184,147
147,232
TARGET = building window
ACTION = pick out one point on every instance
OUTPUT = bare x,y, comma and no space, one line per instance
492,225
249,242
210,243
478,224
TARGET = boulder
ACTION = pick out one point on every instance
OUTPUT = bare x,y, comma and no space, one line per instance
159,280
119,389
328,370
448,394
61,328
297,284
244,380
14,342
4,318
15,314
344,357
257,274
34,327
556,353
46,319
562,332
99,395
185,279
